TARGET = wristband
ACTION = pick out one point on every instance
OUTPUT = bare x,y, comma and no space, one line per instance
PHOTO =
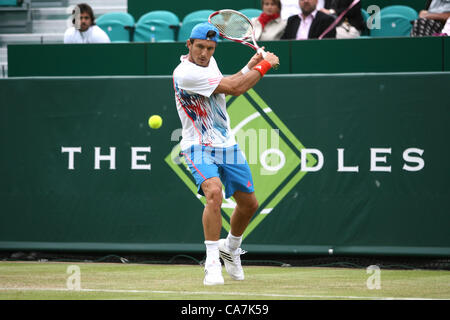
245,70
263,67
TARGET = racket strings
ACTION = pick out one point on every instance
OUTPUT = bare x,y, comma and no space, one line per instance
232,25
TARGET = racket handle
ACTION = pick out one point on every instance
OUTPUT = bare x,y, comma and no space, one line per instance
261,51
264,54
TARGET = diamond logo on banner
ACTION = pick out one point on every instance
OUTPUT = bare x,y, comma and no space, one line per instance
271,150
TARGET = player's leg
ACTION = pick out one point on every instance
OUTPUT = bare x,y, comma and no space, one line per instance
206,175
212,218
246,206
212,225
229,248
238,182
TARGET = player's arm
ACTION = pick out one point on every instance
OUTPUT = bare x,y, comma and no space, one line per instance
257,58
240,83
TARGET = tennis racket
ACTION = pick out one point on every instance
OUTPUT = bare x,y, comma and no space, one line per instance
235,26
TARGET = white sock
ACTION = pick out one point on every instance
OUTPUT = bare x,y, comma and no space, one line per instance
233,242
212,252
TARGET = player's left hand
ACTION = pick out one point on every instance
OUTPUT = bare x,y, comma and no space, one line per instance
257,58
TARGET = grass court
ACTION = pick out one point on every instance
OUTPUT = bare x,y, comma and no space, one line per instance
48,280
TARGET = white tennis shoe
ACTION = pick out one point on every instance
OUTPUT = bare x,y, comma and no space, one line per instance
213,273
232,260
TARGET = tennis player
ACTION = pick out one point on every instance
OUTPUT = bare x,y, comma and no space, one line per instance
210,149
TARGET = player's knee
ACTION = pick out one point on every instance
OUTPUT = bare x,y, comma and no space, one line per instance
249,207
253,206
214,197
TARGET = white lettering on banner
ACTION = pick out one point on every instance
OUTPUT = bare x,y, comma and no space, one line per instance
341,166
319,163
412,157
375,159
71,152
111,157
135,158
408,158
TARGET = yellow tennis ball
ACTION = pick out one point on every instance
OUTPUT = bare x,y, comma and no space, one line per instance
155,122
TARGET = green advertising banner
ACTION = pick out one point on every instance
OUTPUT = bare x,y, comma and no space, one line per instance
404,54
354,163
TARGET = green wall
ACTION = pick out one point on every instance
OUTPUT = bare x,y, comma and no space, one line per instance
47,206
366,55
446,54
302,57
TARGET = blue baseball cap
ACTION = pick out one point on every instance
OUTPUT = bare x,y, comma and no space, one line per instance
201,30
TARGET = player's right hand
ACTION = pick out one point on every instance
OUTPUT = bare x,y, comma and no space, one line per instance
272,59
257,58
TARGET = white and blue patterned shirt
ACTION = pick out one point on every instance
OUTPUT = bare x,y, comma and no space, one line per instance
203,115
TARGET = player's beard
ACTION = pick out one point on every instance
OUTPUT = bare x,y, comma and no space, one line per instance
202,62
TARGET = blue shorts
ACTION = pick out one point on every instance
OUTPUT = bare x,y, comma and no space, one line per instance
229,164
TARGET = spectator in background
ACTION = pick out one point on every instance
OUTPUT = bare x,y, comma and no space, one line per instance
352,24
432,19
84,29
291,7
309,24
269,25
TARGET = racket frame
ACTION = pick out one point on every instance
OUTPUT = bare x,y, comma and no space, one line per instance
254,46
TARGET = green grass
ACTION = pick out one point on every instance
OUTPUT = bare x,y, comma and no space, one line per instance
25,280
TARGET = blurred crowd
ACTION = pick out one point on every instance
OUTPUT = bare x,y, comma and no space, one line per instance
294,20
